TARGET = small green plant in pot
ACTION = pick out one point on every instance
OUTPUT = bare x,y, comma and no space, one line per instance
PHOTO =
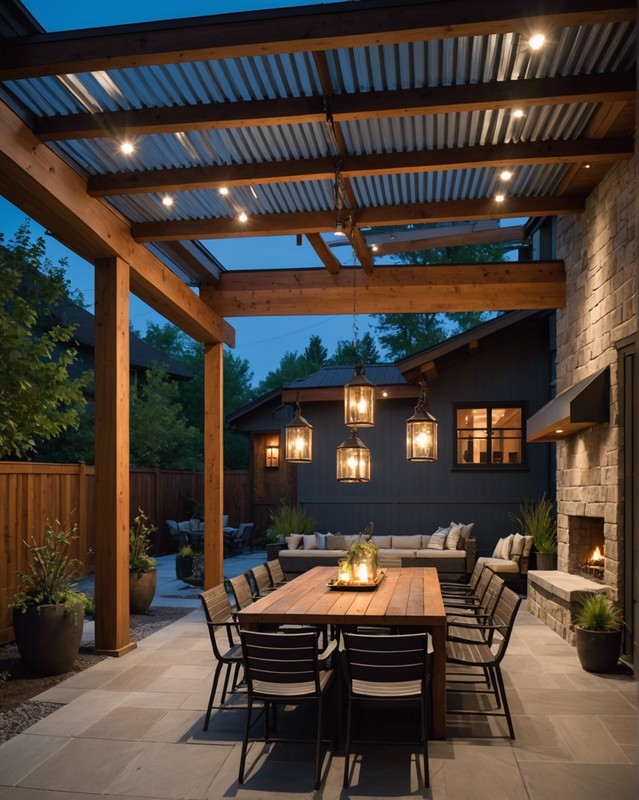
287,520
184,562
48,612
142,565
598,629
536,519
363,556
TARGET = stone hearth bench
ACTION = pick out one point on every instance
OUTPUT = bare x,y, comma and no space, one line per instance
555,598
394,551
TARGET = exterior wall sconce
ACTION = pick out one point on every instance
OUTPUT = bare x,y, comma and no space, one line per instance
299,439
272,456
353,460
421,429
359,399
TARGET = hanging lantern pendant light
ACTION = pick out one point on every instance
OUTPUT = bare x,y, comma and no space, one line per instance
359,399
421,430
299,439
353,460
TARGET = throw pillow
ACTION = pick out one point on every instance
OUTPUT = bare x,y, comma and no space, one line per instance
453,537
437,541
321,540
527,546
294,541
517,547
467,530
383,542
310,542
335,541
348,540
502,549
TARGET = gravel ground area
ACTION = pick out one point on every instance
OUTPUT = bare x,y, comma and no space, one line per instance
17,685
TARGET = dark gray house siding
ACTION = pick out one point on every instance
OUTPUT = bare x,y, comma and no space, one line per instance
511,365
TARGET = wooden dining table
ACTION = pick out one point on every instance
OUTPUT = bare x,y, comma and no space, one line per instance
406,597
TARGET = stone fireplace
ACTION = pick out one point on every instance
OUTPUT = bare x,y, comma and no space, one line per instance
594,323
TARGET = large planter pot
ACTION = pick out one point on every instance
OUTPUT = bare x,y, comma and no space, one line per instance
141,590
546,561
598,651
183,567
48,637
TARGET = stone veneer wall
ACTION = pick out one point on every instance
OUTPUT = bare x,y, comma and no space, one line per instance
600,254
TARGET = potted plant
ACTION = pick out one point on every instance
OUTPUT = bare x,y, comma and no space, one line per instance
536,519
142,566
362,557
184,562
287,520
48,612
598,633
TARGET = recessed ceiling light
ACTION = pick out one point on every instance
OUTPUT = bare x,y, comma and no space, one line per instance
505,175
374,248
586,166
127,148
537,41
243,216
499,198
518,113
223,190
167,200
559,430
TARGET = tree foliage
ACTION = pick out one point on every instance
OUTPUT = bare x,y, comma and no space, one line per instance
345,351
38,398
160,433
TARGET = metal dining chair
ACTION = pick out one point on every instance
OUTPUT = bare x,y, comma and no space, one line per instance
276,572
486,654
387,669
262,583
284,669
217,611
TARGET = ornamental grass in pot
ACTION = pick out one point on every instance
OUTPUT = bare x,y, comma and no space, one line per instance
536,519
598,629
48,612
142,566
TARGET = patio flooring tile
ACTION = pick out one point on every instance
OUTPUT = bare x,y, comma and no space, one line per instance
133,727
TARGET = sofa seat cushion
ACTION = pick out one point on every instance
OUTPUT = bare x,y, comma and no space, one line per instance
458,555
499,564
406,542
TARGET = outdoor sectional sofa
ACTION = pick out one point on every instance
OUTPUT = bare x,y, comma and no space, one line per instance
450,550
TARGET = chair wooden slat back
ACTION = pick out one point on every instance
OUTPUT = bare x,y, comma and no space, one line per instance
387,659
504,617
281,658
241,590
262,579
217,607
277,573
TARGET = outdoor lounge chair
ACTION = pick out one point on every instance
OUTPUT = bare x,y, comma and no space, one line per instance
284,669
217,610
485,655
387,669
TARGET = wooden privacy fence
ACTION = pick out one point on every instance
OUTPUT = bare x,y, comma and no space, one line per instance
32,494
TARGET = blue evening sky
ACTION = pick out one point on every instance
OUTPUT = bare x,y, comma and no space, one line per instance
262,340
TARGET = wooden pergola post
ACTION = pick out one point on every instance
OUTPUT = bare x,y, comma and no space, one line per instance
213,464
111,506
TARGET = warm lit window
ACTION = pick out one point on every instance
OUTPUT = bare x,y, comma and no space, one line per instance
488,436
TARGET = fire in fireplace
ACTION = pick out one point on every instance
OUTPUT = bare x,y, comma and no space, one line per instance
593,567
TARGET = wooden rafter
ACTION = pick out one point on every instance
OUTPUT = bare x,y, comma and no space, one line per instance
327,257
313,28
405,289
504,155
617,87
324,221
40,183
429,240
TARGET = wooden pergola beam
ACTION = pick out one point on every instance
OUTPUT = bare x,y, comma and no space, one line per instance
313,28
326,256
617,87
390,290
324,221
312,169
39,182
450,239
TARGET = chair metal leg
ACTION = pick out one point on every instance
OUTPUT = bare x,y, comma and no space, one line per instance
247,727
502,691
318,764
347,742
216,678
425,738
